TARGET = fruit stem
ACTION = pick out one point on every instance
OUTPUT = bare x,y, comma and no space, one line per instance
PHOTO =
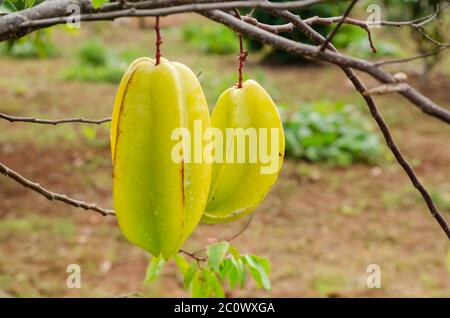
159,41
242,53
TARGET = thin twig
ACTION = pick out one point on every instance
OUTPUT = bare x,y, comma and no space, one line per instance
284,44
159,41
193,255
385,89
242,53
324,45
431,17
421,21
360,87
49,13
183,8
245,227
422,31
412,58
234,236
52,195
54,121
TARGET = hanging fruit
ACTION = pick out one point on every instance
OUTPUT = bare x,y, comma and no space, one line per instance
158,201
254,155
242,180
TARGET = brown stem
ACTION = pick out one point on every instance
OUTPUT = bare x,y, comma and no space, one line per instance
159,41
83,120
193,256
324,45
360,87
52,196
242,54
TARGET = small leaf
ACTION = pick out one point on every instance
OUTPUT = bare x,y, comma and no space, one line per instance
29,3
98,3
233,276
216,253
225,268
154,269
214,284
237,272
182,264
260,270
199,287
190,274
242,273
7,7
234,252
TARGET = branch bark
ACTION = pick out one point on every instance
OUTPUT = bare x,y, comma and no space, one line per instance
83,120
52,12
52,195
360,87
411,94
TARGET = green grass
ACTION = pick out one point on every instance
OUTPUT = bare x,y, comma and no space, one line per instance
212,39
328,283
97,62
33,223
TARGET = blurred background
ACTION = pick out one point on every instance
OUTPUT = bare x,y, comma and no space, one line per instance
340,203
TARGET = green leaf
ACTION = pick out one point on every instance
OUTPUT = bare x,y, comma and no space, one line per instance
98,3
241,269
233,277
260,270
216,253
224,268
199,287
182,264
236,272
190,274
234,252
214,284
7,7
29,3
154,269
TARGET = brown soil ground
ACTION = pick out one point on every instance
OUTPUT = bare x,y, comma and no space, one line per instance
320,226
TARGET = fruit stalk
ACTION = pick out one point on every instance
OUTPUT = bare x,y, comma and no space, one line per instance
242,54
159,41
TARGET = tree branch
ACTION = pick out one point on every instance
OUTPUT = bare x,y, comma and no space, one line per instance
412,58
324,44
54,121
40,16
52,195
52,12
360,87
416,98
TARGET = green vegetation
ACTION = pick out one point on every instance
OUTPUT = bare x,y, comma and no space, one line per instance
36,45
225,264
400,10
355,41
330,132
99,63
323,10
213,39
34,223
